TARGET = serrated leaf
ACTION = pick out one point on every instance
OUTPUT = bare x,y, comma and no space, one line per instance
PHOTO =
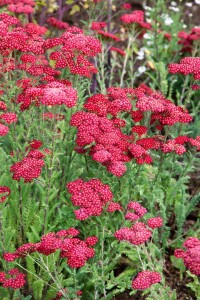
37,289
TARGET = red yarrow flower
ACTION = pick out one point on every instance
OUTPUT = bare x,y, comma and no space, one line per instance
91,196
75,250
5,191
9,117
56,93
29,168
16,281
136,235
155,222
145,279
191,256
3,130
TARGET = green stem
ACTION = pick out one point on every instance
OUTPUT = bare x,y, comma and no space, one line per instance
22,232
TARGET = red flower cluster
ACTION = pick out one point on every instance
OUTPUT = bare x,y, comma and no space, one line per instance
191,256
31,166
57,23
16,281
7,117
110,142
5,191
145,279
74,52
19,38
19,6
136,17
140,130
91,196
98,25
114,102
118,50
139,211
127,6
3,130
75,250
140,153
35,29
75,49
103,136
138,233
114,206
155,222
187,39
108,35
164,112
187,65
51,94
178,144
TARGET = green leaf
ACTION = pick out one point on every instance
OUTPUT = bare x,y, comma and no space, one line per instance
37,289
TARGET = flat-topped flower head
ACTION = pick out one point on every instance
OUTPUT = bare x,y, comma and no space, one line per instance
4,193
145,279
90,196
190,256
28,169
16,280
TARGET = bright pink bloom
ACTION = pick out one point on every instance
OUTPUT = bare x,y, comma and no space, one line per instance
29,168
136,235
9,117
91,196
5,191
145,279
155,222
191,256
3,129
16,281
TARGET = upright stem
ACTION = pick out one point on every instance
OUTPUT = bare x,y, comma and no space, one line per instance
102,261
126,60
93,86
60,10
109,52
2,232
21,214
54,279
44,227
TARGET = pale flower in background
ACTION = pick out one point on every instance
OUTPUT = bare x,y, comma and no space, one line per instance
141,69
149,43
189,4
147,36
174,8
173,3
147,7
141,53
167,20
